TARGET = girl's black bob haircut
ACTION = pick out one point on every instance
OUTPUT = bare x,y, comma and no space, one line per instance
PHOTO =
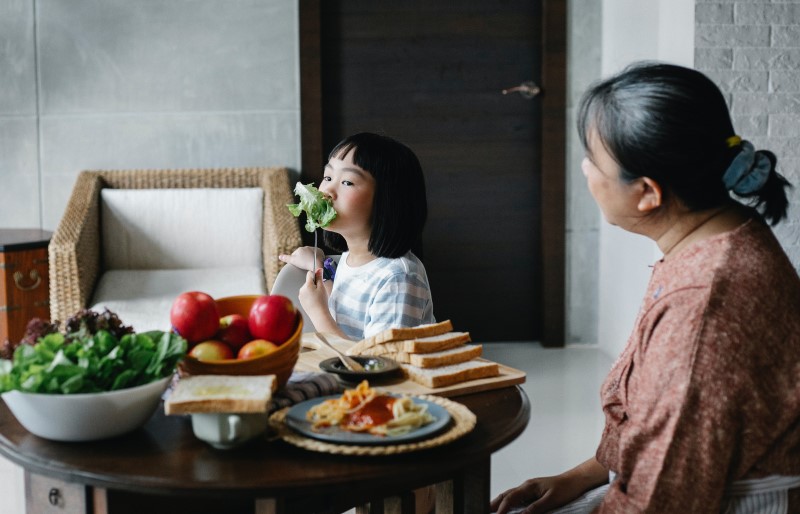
400,205
671,124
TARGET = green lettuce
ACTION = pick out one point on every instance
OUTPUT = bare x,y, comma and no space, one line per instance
91,363
319,209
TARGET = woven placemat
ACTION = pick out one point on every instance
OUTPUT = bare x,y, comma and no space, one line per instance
462,423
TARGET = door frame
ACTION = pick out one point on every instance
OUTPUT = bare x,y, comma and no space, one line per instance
552,81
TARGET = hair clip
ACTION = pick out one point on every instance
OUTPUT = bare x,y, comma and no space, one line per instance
733,141
328,269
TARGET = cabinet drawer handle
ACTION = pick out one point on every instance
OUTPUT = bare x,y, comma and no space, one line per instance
37,280
53,496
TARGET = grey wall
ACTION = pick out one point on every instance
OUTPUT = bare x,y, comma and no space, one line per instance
115,84
583,221
752,51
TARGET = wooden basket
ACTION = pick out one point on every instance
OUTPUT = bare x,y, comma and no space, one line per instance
280,363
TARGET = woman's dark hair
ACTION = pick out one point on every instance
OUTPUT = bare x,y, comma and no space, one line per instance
672,124
400,205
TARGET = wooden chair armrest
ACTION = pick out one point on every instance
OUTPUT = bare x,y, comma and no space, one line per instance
281,232
74,249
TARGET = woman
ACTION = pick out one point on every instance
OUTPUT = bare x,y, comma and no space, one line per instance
702,407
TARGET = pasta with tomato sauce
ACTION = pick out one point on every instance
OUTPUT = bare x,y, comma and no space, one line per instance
364,409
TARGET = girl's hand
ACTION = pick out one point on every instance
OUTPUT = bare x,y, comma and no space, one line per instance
303,258
313,296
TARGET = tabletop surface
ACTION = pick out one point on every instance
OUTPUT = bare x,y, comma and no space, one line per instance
165,456
13,239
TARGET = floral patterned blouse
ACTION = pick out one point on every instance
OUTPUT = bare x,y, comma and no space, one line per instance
707,390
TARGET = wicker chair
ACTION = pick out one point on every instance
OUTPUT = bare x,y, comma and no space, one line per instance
75,248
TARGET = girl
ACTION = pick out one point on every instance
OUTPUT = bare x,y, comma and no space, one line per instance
378,190
702,407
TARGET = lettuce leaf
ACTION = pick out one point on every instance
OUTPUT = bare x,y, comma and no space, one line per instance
90,363
319,209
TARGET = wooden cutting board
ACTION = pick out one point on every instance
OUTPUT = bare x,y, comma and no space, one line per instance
313,352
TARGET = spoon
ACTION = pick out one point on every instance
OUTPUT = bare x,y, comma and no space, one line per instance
349,363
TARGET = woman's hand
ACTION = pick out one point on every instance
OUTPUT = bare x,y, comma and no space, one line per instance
547,493
304,257
540,494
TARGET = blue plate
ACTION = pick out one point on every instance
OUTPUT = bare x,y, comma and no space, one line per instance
296,419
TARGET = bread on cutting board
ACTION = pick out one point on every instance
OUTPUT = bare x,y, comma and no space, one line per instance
453,374
401,334
221,393
420,345
455,355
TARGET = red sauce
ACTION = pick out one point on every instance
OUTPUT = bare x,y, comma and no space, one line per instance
377,411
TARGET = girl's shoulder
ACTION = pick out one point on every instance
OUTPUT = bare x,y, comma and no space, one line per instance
384,267
406,264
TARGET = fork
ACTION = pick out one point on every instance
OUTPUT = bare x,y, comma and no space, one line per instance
349,362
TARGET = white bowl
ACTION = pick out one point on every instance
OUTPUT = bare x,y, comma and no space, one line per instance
86,417
224,430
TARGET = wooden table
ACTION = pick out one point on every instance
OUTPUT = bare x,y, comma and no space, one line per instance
162,467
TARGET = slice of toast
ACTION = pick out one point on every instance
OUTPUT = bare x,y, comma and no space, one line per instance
220,393
455,355
401,334
453,374
420,345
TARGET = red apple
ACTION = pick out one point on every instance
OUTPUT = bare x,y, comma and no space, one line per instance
233,329
272,317
194,316
211,351
256,348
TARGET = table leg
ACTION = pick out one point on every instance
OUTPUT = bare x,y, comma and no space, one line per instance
268,506
99,500
403,504
467,493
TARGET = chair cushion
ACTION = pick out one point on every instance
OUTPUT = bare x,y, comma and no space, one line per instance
181,228
143,298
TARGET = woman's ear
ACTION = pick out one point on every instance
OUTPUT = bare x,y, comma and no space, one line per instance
651,195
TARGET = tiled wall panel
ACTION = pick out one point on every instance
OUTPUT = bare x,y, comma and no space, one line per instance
754,57
114,84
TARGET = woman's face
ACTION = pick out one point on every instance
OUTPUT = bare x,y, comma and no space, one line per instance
352,190
618,199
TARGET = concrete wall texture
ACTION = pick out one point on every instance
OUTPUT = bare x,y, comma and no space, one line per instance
584,60
751,49
114,84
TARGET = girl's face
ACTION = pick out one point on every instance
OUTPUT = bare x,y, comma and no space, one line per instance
352,190
618,199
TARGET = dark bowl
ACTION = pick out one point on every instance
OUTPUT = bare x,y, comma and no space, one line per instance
377,368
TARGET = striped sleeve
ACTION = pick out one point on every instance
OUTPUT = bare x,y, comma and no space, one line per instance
401,300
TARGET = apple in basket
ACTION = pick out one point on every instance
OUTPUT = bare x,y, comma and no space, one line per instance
194,316
211,351
272,317
234,330
256,348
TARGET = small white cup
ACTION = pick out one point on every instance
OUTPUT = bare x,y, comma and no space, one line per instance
227,430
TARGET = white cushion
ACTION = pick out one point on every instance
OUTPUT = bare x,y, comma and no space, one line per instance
143,298
181,228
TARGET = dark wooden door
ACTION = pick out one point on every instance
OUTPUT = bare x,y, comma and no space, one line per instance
431,75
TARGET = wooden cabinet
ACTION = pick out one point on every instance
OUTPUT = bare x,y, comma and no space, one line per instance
24,280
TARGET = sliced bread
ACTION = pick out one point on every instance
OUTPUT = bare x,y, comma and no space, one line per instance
220,393
420,345
401,334
449,375
455,355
